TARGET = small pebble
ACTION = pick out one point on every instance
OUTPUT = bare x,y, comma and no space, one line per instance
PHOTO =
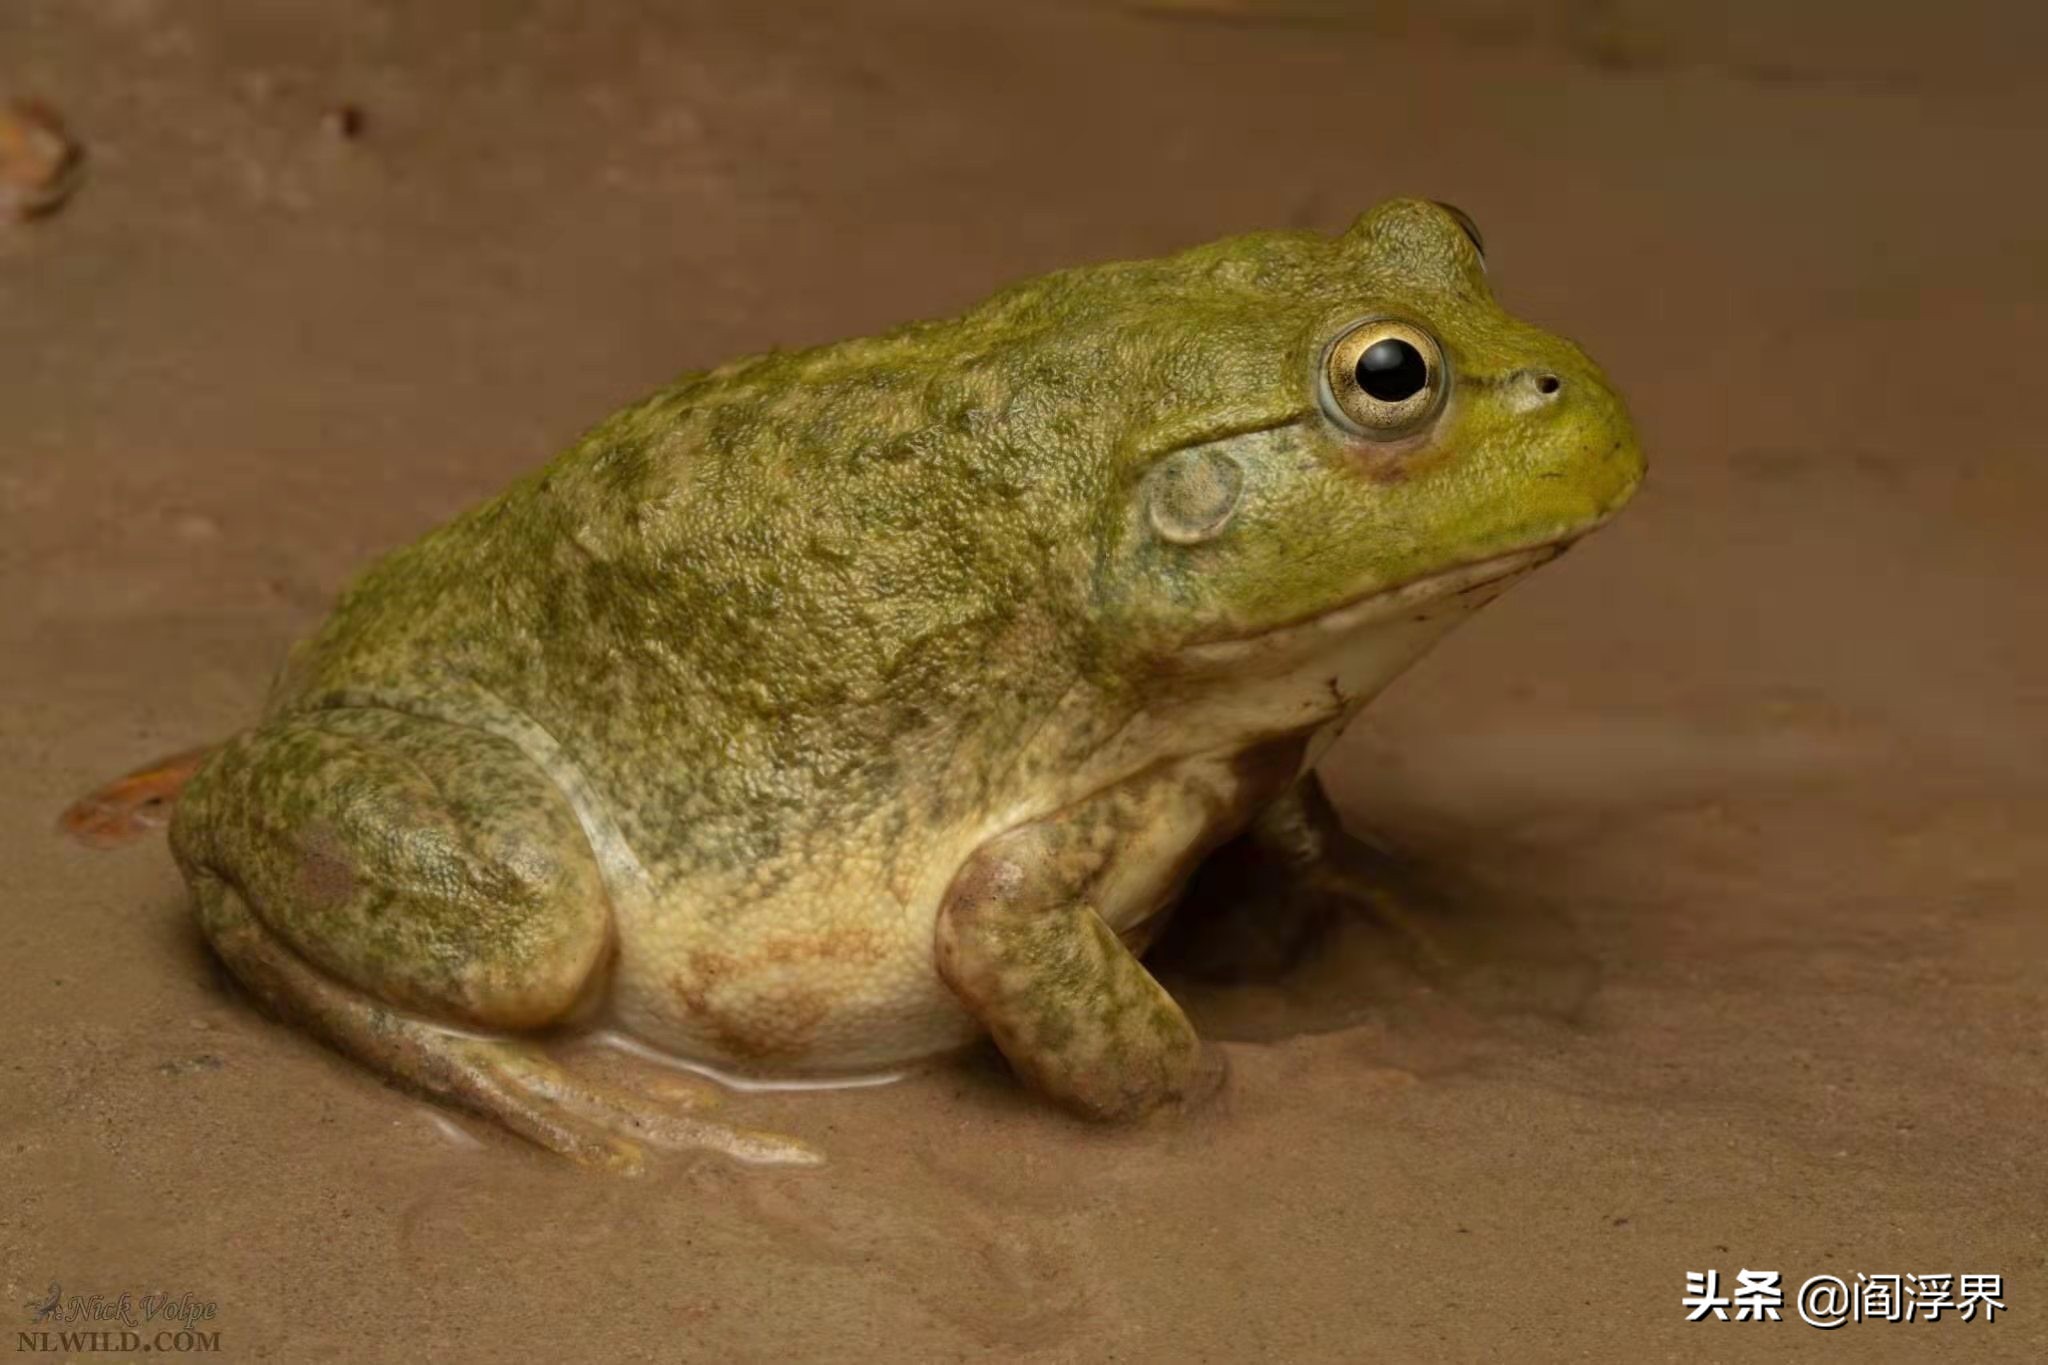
344,122
40,164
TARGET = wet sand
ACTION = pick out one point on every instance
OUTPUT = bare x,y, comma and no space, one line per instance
1737,811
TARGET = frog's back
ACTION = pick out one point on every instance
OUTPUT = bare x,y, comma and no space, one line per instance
858,518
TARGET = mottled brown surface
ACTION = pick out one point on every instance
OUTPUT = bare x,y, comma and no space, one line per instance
1744,800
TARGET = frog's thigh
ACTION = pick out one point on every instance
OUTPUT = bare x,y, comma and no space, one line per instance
1078,1017
353,866
431,865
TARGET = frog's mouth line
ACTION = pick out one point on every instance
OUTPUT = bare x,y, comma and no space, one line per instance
1386,603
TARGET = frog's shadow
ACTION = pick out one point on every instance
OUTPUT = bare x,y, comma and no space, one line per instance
1442,937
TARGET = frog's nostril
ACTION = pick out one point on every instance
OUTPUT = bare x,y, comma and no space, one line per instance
1548,384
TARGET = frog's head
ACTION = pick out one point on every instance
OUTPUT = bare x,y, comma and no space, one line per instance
1334,433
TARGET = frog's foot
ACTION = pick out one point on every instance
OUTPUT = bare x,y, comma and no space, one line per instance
132,805
1301,897
502,1079
1494,950
653,1114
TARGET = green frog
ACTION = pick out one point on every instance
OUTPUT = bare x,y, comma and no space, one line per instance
835,708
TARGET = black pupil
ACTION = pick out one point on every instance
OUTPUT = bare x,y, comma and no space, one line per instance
1391,370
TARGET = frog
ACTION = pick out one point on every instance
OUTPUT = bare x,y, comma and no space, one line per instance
838,708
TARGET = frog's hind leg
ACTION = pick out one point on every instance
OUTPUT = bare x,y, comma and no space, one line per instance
405,888
502,1079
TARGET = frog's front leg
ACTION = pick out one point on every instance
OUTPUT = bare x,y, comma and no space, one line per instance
1297,883
1021,943
1291,876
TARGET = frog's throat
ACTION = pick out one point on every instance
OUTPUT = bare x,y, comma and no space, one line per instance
1383,604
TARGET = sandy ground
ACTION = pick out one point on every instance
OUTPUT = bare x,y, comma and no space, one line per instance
1744,800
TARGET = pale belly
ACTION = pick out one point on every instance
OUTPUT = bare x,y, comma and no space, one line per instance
831,973
832,970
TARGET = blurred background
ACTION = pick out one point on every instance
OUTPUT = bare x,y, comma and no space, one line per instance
1744,800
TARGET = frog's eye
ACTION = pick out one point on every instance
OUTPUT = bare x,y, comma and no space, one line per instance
1383,379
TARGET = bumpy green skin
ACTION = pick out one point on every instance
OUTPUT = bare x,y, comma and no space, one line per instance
705,721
